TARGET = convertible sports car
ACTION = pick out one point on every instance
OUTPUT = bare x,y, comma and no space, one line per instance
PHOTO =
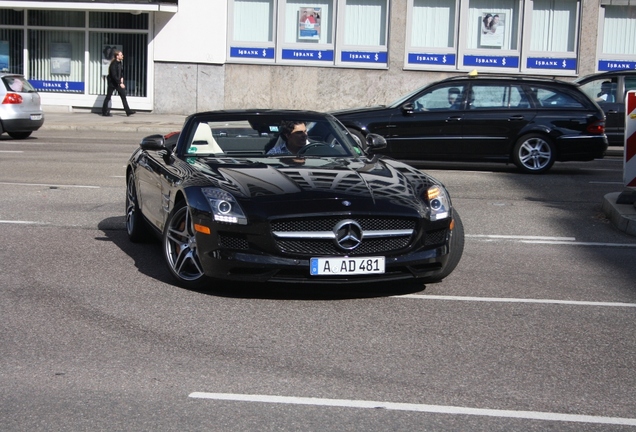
226,208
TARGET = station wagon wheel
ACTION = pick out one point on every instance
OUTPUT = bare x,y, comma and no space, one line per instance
180,248
135,224
533,154
19,135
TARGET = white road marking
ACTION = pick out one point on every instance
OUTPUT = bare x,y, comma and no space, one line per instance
606,182
49,185
517,237
515,300
11,151
438,409
570,241
622,245
23,222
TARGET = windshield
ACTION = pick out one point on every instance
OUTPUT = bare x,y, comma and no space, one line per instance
270,136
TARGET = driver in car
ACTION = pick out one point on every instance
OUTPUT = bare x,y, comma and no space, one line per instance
292,137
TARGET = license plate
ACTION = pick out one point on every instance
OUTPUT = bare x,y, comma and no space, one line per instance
346,266
36,116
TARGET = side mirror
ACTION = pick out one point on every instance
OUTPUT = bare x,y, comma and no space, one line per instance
375,142
153,142
408,108
157,143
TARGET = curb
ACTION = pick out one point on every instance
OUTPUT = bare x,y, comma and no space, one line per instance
622,216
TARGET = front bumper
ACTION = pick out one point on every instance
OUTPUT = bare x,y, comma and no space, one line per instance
242,266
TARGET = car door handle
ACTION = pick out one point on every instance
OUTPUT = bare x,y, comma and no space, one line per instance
612,112
453,118
516,118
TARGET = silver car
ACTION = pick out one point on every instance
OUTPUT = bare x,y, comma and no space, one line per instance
20,107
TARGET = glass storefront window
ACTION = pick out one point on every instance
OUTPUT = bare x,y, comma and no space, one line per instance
11,41
11,51
554,25
253,21
365,22
308,24
433,24
118,20
619,22
54,18
11,17
493,24
135,49
56,56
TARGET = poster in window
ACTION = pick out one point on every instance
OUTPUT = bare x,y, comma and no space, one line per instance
108,54
309,23
493,26
61,58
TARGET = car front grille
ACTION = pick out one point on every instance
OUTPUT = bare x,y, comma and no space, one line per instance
436,237
327,224
233,242
379,236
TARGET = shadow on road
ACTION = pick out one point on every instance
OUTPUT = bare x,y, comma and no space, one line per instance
149,261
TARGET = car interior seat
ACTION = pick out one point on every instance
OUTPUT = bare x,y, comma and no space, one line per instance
204,141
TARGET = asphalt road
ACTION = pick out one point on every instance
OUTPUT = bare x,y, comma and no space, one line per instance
534,331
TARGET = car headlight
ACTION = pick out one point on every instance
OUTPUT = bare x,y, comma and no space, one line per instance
438,202
224,207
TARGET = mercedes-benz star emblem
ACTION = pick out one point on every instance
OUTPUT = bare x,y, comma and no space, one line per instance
348,234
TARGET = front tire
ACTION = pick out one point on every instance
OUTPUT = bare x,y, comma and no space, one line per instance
533,154
180,249
455,253
136,226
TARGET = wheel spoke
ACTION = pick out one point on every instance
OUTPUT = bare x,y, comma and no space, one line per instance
181,247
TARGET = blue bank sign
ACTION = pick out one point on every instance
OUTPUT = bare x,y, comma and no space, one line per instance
252,53
432,59
492,61
610,65
308,55
363,57
567,64
58,86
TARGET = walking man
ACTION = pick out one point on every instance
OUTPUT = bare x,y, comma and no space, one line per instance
115,81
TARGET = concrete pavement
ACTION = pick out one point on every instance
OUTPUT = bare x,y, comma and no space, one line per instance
139,122
622,216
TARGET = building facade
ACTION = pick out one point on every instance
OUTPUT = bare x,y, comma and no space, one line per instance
192,55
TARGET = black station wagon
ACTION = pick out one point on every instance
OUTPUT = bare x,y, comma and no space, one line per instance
531,122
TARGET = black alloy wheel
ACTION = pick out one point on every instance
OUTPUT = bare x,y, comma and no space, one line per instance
180,248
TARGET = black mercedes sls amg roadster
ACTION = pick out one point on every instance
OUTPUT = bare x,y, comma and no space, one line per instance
287,196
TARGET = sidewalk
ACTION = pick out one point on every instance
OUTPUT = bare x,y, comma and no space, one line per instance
139,122
622,216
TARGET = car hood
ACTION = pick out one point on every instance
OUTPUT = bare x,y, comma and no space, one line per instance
320,184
